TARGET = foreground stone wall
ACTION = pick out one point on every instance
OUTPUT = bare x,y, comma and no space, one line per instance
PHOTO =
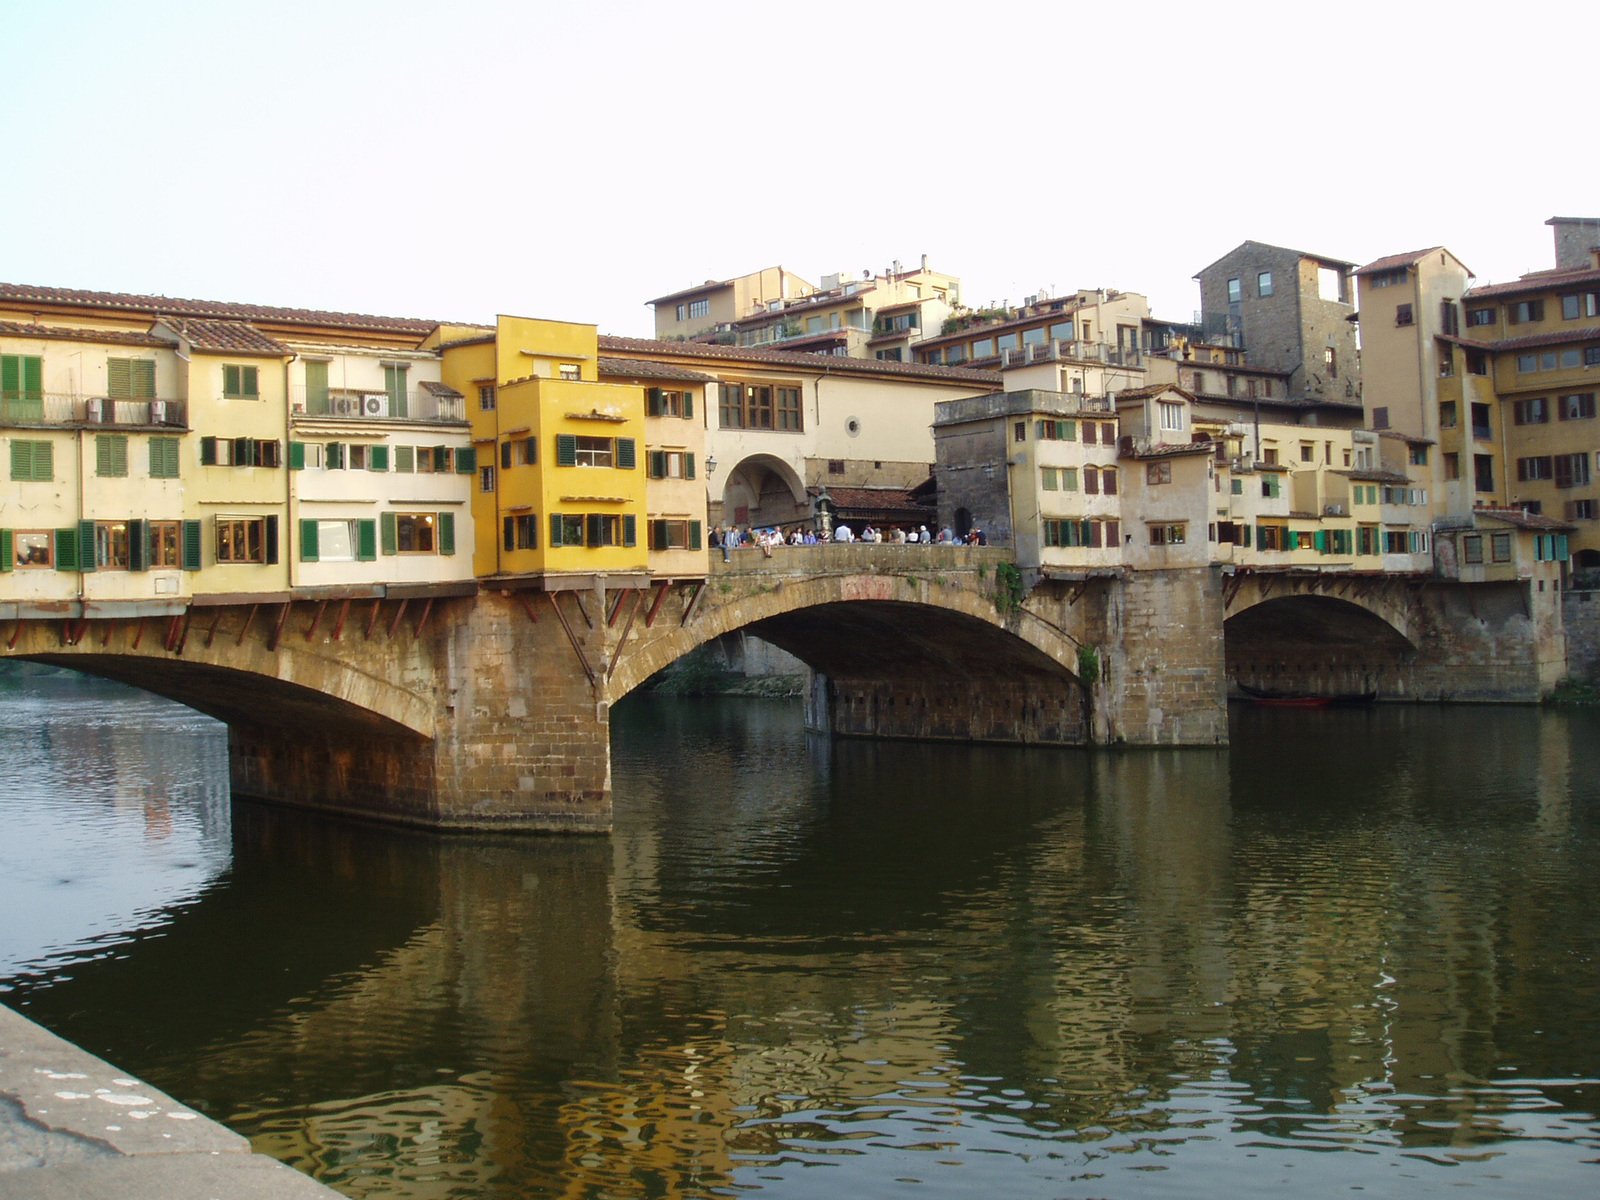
1581,613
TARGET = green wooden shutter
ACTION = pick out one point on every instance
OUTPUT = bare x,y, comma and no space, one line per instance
271,539
230,380
688,465
656,464
317,388
309,544
654,402
244,452
627,454
119,377
86,546
1562,547
163,458
111,455
566,450
688,403
405,459
191,546
297,456
630,529
8,550
694,535
138,545
1322,541
366,540
394,382
378,458
391,536
66,549
509,532
441,459
143,378
447,533
208,452
593,529
335,456
466,460
10,377
555,530
658,535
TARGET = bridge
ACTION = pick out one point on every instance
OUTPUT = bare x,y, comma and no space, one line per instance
486,706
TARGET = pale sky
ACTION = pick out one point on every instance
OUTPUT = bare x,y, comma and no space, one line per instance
571,161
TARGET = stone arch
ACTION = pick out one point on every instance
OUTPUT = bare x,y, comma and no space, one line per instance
1312,642
890,606
762,489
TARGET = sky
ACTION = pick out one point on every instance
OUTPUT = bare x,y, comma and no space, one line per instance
460,160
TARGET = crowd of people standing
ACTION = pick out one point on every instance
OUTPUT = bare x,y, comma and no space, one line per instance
728,538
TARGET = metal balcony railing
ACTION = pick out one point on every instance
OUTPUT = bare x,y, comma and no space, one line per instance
417,404
61,409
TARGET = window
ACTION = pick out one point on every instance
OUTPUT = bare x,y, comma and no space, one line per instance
1383,279
1108,480
1308,452
1480,421
1235,292
32,462
131,378
570,372
1452,465
1171,534
522,532
1330,362
486,398
1264,283
22,386
338,540
1577,407
1271,486
241,452
1091,481
247,539
1033,337
1472,548
163,547
418,533
593,451
111,545
1581,304
1199,382
405,459
1171,415
674,535
1483,472
111,455
700,308
1591,356
1534,411
1571,470
1500,547
566,529
1158,472
1538,467
1580,510
660,402
983,348
1522,312
1419,455
1402,315
486,478
1056,431
1480,316
681,312
1449,317
164,458
670,464
1477,362
240,383
750,406
32,548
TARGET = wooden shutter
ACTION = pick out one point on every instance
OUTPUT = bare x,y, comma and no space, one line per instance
163,458
441,459
447,533
694,535
630,529
378,458
270,538
86,546
555,530
66,549
466,460
309,542
658,535
138,545
110,455
191,545
143,379
656,464
509,533
366,540
335,456
391,535
8,550
405,459
208,452
119,377
627,454
297,456
566,450
688,403
654,402
317,387
594,529
688,465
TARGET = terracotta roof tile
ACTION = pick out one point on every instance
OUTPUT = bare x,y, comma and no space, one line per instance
232,337
442,390
1521,517
119,337
175,306
1559,338
644,368
1396,260
1538,281
831,363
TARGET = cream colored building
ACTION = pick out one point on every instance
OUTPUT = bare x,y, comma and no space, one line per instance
703,307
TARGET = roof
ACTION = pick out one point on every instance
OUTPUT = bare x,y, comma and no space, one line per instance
442,390
1153,389
175,306
1376,475
1536,281
1248,244
831,364
1534,340
644,368
815,300
229,337
1394,261
882,504
482,339
1522,518
120,337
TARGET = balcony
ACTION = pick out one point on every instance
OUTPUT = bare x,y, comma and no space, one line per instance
418,404
1074,351
42,409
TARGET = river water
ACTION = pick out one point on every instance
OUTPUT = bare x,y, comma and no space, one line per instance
1358,950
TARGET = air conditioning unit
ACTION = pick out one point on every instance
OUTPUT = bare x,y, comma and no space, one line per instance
158,412
1333,510
375,404
344,406
94,410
